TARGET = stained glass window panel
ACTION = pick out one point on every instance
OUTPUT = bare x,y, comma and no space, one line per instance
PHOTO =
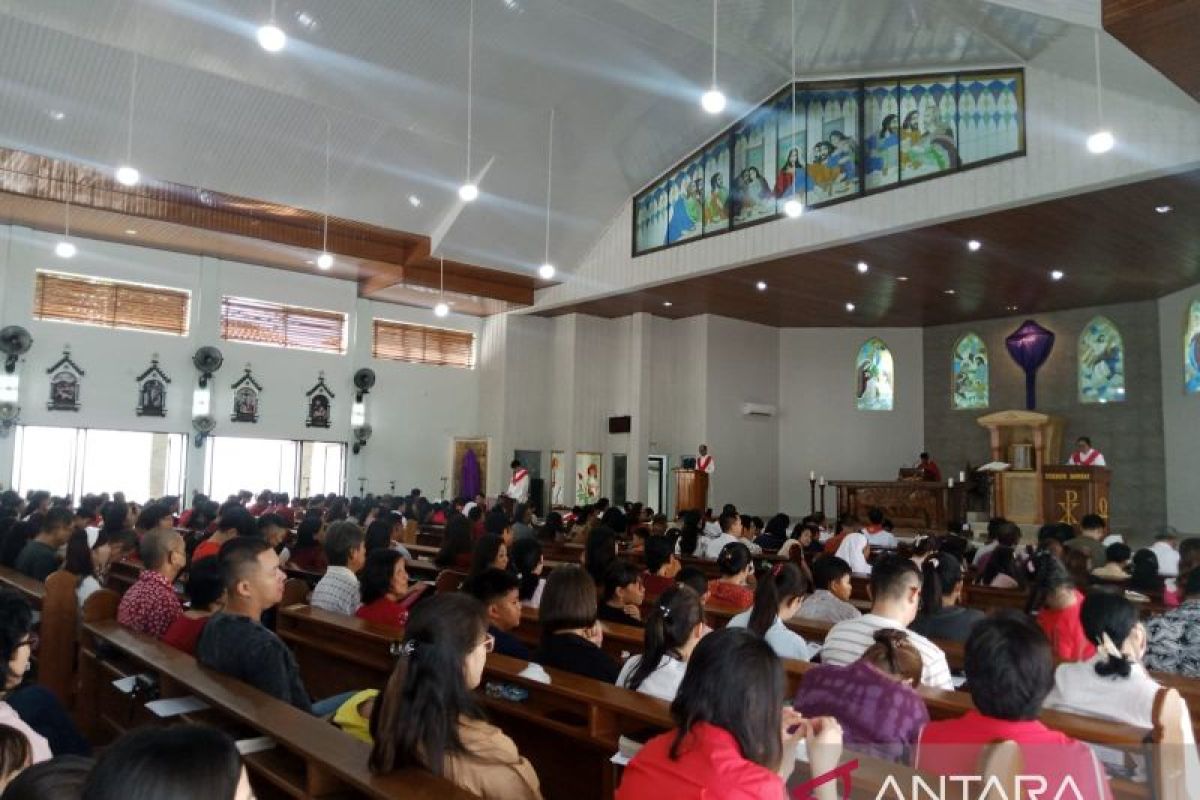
970,373
874,377
1191,351
1101,363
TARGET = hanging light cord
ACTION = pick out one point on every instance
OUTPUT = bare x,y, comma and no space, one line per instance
793,72
442,278
549,183
272,12
67,222
325,233
470,81
1099,86
714,47
132,94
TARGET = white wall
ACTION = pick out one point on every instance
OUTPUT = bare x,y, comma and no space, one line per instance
415,410
1156,126
1181,415
819,427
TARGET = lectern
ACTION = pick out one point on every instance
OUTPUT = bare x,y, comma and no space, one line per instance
1028,441
691,490
1072,492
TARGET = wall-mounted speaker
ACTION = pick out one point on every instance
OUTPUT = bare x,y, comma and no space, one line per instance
620,424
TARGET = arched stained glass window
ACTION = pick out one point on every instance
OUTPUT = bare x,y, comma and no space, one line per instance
874,379
1191,350
1101,363
969,373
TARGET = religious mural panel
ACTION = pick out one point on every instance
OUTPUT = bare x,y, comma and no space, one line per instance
991,116
752,195
833,158
874,377
791,174
969,378
928,136
881,119
1101,363
587,478
1191,351
716,186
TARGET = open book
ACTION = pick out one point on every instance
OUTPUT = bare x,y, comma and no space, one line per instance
994,466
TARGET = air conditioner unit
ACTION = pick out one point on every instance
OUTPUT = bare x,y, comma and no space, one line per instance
757,410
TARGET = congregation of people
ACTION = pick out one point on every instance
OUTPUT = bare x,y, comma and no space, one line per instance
212,577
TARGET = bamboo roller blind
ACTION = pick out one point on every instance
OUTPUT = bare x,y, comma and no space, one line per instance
111,304
262,322
423,344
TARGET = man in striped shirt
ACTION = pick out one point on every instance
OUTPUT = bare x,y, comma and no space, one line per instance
896,593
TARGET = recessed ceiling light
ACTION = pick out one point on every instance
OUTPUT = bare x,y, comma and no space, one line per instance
901,277
1163,209
863,268
65,249
667,304
414,201
468,192
441,310
713,101
849,306
130,232
546,271
128,176
1056,274
949,291
974,245
325,261
761,286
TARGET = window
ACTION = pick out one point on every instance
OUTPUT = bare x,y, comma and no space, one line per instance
1101,363
1191,351
423,344
80,461
874,380
969,373
234,463
275,325
110,304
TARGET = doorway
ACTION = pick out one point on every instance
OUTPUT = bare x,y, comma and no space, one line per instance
656,483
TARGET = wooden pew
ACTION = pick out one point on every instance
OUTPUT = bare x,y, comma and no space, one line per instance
310,758
56,603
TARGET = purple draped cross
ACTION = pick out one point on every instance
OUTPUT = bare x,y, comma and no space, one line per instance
470,474
1030,346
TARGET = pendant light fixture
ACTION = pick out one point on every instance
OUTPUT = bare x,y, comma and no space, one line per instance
546,270
325,260
713,101
127,174
1102,140
441,309
469,191
793,207
65,248
270,36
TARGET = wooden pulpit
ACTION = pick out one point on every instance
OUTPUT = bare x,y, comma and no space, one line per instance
1071,492
691,490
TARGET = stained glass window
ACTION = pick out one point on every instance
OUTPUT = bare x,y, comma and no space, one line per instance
1191,351
969,381
874,378
1101,363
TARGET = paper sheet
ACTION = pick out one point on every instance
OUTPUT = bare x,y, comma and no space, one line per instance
174,706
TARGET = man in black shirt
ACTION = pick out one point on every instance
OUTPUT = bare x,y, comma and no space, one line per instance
39,556
499,592
235,643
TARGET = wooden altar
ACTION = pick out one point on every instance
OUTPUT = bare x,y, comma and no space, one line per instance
914,506
1072,492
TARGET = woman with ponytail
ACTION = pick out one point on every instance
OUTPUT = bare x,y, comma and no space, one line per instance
941,616
674,627
427,715
736,567
777,598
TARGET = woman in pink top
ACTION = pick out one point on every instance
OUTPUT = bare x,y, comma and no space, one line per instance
16,646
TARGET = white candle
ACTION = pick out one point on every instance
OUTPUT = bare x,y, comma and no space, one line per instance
951,483
962,477
812,476
822,480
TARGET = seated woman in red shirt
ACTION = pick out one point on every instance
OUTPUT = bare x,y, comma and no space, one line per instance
309,551
205,589
736,567
733,737
385,594
1057,603
1010,671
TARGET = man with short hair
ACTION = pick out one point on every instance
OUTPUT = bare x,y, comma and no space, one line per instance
896,597
661,565
346,552
39,557
498,591
154,516
731,531
1010,671
930,471
234,642
1089,539
518,487
878,530
1085,455
150,605
831,600
856,545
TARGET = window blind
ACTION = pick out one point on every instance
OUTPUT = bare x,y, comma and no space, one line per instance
260,322
423,344
110,304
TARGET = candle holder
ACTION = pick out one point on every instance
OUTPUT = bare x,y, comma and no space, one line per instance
812,495
822,495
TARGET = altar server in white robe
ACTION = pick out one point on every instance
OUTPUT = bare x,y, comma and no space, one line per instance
518,487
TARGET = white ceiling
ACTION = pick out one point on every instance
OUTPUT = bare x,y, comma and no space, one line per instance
213,110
